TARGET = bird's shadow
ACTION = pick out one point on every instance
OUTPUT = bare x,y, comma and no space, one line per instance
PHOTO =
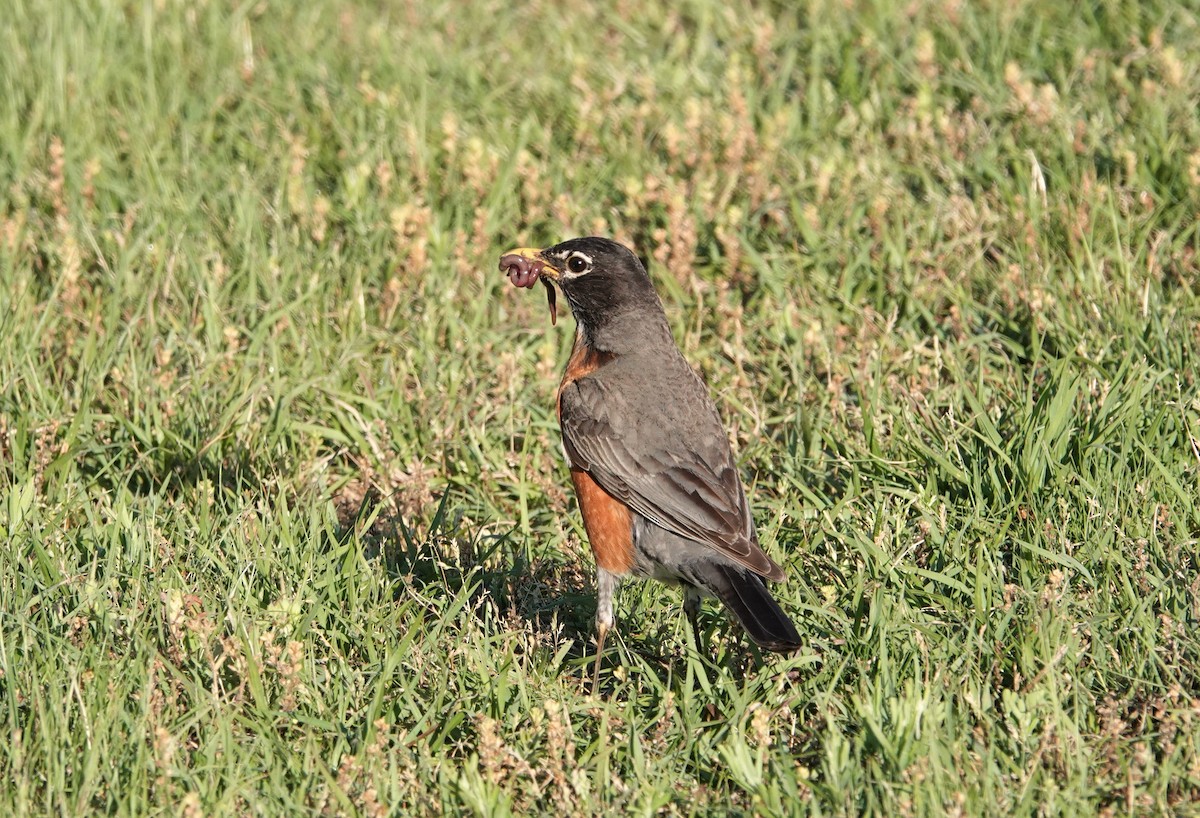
446,556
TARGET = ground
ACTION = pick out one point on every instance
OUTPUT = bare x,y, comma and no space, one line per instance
285,524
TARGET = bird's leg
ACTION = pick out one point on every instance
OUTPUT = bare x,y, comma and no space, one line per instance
606,586
691,609
601,632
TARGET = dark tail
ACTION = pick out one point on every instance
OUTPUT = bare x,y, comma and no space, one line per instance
746,596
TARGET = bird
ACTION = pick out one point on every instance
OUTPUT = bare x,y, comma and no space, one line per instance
651,465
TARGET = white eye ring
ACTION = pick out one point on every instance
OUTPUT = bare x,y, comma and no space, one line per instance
578,263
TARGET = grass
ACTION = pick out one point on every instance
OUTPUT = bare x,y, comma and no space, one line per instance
285,525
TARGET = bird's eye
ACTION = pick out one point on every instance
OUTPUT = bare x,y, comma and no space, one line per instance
577,264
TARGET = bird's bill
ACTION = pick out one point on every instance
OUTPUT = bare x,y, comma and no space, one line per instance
524,266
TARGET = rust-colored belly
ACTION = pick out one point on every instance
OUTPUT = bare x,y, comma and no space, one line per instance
607,520
609,524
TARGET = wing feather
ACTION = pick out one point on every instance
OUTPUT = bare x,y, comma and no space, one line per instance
681,476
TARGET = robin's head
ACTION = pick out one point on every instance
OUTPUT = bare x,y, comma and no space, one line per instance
608,288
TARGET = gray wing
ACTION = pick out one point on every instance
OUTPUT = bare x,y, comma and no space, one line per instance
675,469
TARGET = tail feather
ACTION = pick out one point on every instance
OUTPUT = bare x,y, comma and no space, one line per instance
746,596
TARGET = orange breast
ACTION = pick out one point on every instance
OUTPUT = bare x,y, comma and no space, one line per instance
608,522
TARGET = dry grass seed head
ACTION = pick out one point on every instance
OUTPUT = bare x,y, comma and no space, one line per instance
491,749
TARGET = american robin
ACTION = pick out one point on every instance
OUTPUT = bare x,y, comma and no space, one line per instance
653,472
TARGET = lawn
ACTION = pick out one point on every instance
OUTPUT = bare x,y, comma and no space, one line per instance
285,527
